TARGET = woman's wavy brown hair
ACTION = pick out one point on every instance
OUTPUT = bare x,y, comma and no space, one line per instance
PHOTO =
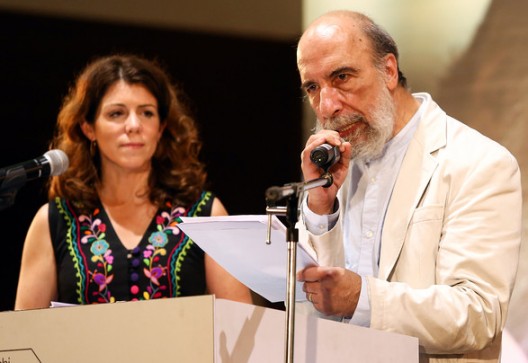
176,174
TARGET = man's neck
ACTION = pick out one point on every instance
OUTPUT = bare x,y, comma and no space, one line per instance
406,107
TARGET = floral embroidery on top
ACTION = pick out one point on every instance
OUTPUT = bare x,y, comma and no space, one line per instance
93,232
95,267
166,223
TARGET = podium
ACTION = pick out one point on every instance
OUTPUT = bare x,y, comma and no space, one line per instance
188,330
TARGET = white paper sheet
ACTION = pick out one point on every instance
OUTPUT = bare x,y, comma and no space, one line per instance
238,244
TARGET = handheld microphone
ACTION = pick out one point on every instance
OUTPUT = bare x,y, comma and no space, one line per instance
325,156
54,162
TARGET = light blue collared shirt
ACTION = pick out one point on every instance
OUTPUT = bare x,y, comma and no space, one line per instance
371,185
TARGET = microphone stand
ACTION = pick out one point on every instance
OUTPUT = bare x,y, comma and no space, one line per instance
293,193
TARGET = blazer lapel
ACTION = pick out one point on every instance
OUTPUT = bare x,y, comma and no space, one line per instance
416,171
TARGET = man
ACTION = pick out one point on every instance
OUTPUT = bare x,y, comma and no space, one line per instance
420,232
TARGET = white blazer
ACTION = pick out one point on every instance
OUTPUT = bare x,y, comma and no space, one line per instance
450,243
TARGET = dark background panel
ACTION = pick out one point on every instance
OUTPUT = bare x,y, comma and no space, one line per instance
244,94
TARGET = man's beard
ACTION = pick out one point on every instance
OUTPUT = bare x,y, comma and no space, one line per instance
367,142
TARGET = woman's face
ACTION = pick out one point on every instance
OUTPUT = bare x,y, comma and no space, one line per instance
127,128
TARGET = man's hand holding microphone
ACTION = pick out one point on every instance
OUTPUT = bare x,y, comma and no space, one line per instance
321,200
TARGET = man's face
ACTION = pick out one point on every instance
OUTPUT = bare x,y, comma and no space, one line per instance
346,90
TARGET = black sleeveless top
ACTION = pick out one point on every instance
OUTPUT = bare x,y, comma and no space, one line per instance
93,266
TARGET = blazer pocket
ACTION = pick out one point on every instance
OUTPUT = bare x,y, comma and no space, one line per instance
421,244
434,212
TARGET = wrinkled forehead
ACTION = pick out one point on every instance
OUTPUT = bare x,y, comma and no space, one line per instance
331,45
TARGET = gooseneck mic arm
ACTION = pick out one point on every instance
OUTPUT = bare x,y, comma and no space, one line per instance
274,194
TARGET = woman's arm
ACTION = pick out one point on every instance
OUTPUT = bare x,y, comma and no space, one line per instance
220,282
37,284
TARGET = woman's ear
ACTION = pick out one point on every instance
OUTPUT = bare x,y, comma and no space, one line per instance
88,130
162,128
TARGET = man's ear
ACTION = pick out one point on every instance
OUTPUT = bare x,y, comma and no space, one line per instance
88,130
391,71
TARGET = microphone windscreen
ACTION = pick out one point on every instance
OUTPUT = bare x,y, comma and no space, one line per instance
58,160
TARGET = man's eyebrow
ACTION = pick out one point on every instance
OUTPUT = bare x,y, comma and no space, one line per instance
333,74
345,69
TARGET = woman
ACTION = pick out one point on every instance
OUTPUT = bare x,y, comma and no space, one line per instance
110,231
